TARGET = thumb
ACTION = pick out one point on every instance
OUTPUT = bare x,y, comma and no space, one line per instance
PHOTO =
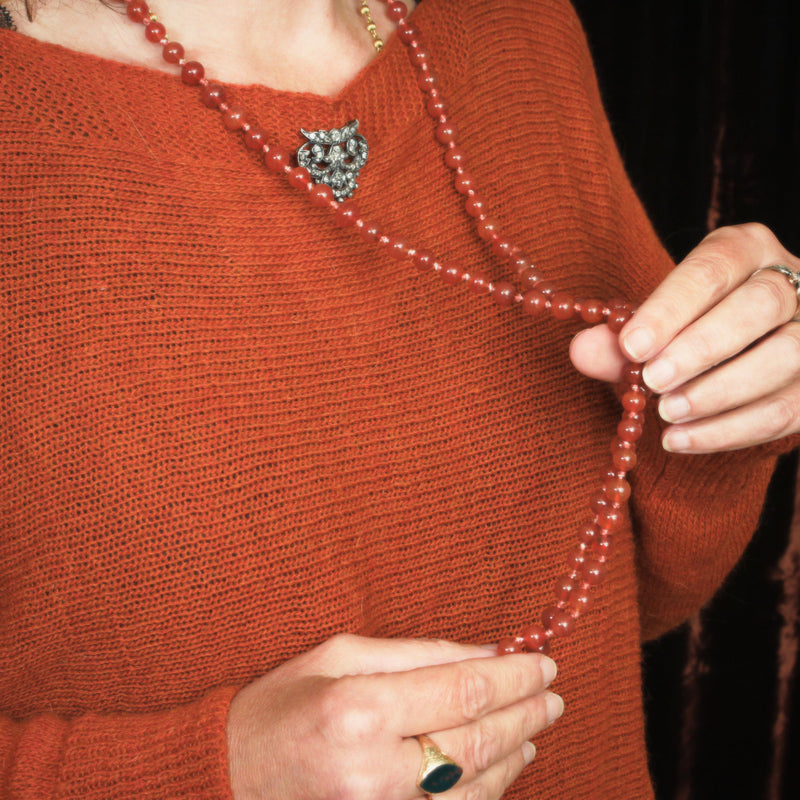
596,353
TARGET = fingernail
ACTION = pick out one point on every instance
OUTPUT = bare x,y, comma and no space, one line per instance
657,374
675,441
555,707
549,670
638,343
673,407
528,752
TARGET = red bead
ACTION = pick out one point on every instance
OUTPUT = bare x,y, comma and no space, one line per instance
507,646
370,232
277,159
396,11
617,318
488,229
634,401
452,275
624,460
558,621
346,215
408,34
593,572
213,95
437,107
320,195
547,289
172,52
478,283
629,431
562,306
137,10
576,559
599,504
398,249
155,31
617,302
534,637
592,311
588,533
455,157
423,260
602,547
581,600
465,183
446,132
520,263
255,138
503,248
632,373
529,278
475,206
563,588
617,490
534,302
504,293
192,72
419,57
426,81
609,519
234,118
299,178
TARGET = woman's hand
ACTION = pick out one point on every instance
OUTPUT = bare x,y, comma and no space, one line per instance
339,721
720,344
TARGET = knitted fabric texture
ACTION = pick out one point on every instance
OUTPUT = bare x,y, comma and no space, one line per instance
231,430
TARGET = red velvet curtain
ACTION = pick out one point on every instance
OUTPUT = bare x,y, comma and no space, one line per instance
705,102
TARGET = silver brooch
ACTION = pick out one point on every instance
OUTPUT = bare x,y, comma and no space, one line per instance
335,158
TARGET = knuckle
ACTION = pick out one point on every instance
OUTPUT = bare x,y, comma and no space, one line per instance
476,790
781,412
789,339
481,748
348,714
472,692
712,274
756,231
772,298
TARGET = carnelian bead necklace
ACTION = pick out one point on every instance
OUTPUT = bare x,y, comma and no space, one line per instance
585,566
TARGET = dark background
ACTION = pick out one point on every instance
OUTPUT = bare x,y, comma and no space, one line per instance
704,98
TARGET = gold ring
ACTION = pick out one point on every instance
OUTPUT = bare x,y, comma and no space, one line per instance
438,772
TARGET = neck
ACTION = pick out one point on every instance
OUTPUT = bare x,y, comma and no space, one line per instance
315,46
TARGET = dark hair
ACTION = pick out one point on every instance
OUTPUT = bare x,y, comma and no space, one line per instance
31,6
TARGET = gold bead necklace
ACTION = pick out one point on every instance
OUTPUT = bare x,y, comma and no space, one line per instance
371,27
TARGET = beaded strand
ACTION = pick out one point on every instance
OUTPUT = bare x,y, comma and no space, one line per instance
586,564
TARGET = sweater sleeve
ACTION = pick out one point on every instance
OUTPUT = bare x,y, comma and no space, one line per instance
180,752
692,515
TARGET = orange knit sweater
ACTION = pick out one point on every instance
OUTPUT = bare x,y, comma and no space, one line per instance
230,429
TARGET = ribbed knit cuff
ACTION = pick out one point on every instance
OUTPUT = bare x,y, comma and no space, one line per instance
178,753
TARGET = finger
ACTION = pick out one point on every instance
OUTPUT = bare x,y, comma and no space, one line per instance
496,780
769,418
720,263
759,305
763,370
478,746
596,353
348,654
448,695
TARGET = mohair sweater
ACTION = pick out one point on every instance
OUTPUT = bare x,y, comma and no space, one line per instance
231,429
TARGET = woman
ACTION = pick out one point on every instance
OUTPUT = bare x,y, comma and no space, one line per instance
235,429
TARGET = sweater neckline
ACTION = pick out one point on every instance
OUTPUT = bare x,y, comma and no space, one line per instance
384,91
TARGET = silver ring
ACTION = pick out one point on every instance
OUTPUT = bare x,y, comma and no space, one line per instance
793,278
